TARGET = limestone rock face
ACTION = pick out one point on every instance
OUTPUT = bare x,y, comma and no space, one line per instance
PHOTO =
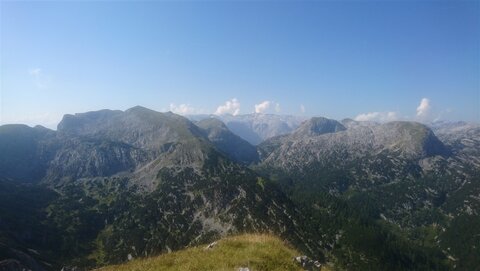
331,144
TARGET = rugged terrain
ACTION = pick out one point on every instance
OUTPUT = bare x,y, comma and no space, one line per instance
109,186
136,182
399,172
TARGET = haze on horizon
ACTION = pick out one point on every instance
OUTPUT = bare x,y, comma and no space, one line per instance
375,60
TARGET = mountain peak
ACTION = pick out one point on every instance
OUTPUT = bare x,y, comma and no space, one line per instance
319,126
412,137
211,123
227,142
140,109
78,121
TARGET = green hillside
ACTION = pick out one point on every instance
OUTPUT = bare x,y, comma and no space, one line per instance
257,252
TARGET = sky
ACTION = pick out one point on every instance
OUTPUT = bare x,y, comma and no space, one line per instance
367,60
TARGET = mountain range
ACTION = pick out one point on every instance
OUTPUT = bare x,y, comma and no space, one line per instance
111,185
256,127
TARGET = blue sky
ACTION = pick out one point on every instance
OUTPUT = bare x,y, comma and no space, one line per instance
380,60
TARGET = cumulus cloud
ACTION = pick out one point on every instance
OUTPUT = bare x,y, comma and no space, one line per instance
377,116
230,107
423,108
302,108
267,106
262,107
182,109
39,78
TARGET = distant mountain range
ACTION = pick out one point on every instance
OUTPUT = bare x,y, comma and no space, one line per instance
256,128
111,185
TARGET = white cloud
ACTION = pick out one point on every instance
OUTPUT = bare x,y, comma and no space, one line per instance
262,107
377,116
182,109
39,78
267,107
302,108
230,107
423,108
277,108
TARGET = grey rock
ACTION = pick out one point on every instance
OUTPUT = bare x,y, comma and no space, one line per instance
372,151
307,264
402,138
227,142
211,245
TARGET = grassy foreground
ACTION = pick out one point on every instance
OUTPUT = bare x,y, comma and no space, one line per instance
258,252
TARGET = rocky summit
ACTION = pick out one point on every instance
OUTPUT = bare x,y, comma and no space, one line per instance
111,186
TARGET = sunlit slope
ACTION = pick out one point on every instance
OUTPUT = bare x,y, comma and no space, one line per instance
257,252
